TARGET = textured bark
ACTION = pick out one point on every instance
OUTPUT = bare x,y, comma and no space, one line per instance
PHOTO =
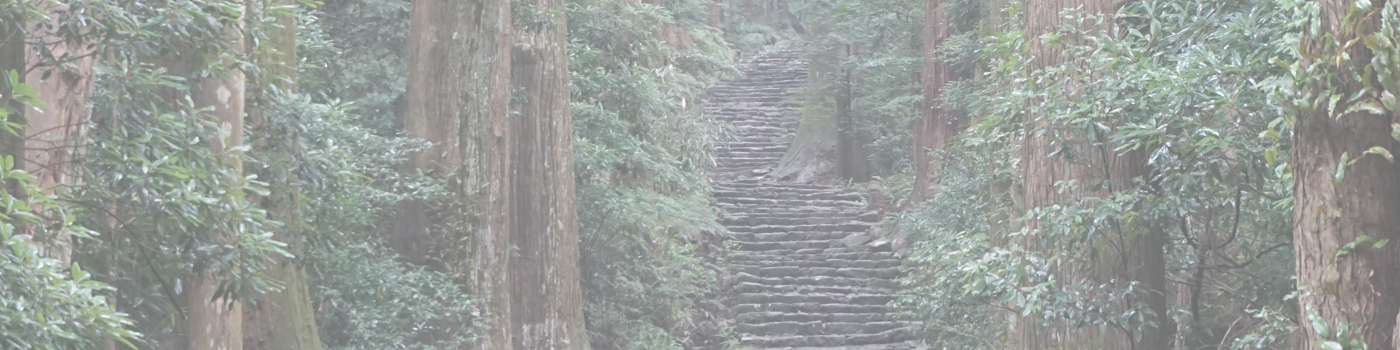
458,98
852,157
716,13
547,297
284,319
671,33
937,124
810,157
1053,154
1360,288
54,136
215,322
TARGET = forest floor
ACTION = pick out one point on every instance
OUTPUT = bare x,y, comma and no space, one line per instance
802,277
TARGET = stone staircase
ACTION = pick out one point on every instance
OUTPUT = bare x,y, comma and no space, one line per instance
797,281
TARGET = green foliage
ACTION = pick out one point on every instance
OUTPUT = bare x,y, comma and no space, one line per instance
1183,83
171,203
367,300
640,148
345,158
755,25
878,44
348,178
957,272
357,51
43,304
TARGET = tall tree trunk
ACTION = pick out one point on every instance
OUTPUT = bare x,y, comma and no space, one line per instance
284,319
1137,253
458,98
547,298
1359,204
670,32
59,69
716,14
852,158
937,124
215,322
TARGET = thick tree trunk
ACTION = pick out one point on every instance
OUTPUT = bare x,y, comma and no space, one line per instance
458,98
215,322
852,158
281,320
937,124
716,14
547,297
54,136
671,33
812,154
1360,204
1137,252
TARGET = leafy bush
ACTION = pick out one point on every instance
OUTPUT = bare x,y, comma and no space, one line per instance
43,304
640,149
1185,83
367,300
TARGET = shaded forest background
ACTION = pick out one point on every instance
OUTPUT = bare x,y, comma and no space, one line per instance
1056,174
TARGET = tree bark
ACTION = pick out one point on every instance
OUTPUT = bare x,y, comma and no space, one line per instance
215,322
54,136
670,32
1360,287
937,124
284,319
458,98
1053,154
547,297
716,14
852,158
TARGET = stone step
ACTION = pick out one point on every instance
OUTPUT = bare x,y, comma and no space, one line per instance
760,194
890,336
787,80
816,328
838,263
820,298
725,188
844,227
781,80
788,236
799,272
854,208
742,160
791,126
765,184
760,140
794,245
750,287
778,154
908,345
732,149
816,281
788,211
765,317
751,220
810,251
762,256
813,308
749,164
